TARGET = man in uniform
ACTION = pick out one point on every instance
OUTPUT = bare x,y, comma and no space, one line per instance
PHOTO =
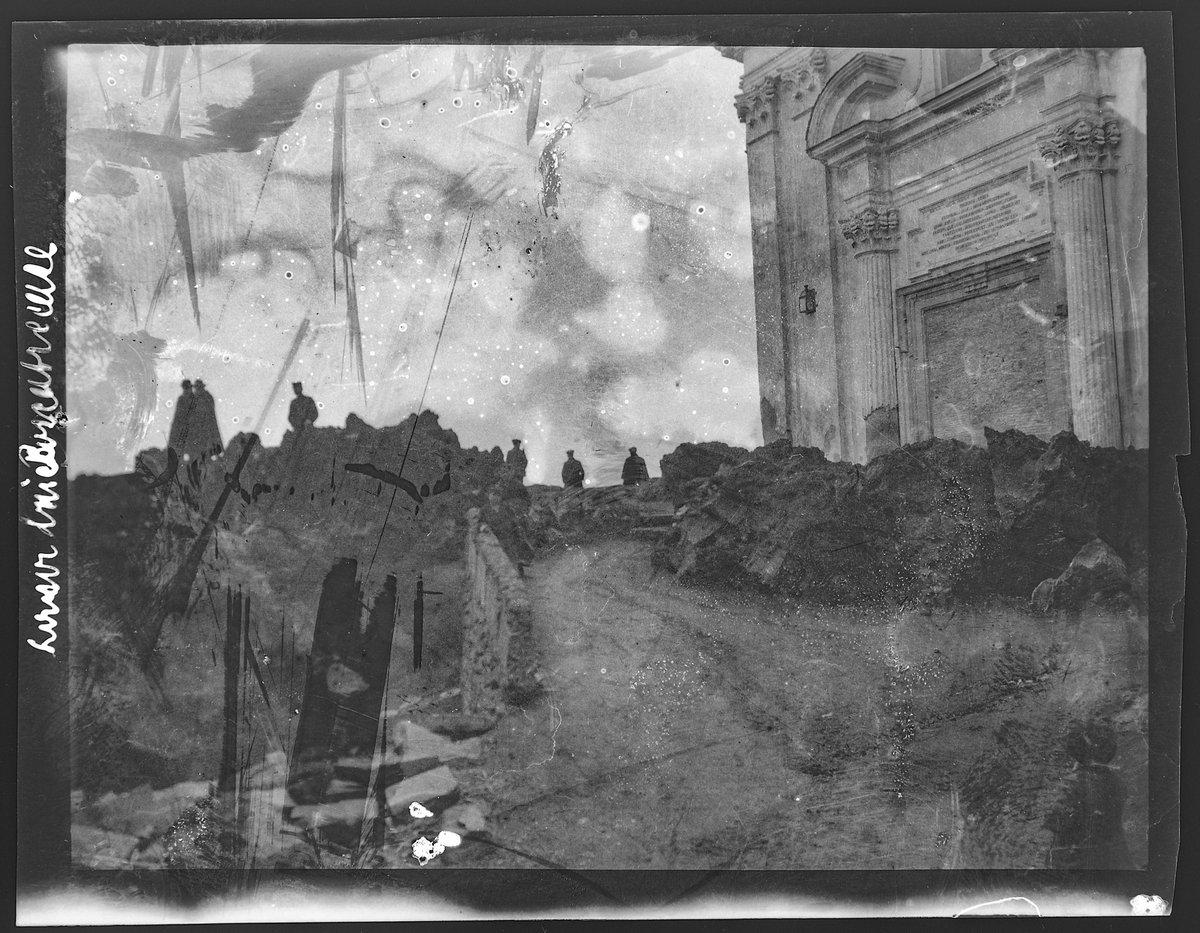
181,422
206,431
634,471
572,472
517,461
303,410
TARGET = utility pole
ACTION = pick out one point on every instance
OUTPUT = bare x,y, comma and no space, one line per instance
419,619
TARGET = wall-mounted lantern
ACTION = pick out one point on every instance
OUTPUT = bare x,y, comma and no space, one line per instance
808,300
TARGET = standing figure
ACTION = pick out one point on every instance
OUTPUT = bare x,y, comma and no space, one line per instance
572,472
634,471
1087,825
181,421
206,430
517,461
303,410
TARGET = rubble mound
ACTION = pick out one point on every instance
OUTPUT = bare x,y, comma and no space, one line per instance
1095,576
1055,497
697,461
924,524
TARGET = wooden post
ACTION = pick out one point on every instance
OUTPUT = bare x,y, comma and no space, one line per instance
233,670
418,622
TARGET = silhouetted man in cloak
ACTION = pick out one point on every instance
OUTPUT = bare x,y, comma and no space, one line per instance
572,472
517,461
181,421
634,471
303,410
205,430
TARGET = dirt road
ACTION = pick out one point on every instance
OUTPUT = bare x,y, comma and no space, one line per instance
673,732
685,728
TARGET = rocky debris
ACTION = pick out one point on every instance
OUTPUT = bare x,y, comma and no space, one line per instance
1095,576
460,725
420,749
347,813
921,525
913,523
1054,497
93,847
357,768
435,789
556,514
143,812
697,461
465,819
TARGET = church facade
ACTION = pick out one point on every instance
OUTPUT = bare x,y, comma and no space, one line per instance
946,240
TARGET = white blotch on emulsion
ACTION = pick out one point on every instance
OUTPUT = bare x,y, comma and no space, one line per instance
419,811
640,221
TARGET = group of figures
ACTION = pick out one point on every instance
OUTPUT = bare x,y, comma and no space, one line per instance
633,472
195,435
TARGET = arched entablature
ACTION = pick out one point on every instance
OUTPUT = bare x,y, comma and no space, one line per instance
853,94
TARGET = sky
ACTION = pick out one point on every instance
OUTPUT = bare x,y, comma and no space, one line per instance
619,313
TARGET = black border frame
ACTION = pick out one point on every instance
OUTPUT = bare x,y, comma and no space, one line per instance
43,829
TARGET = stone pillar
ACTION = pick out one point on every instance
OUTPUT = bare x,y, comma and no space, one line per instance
874,234
757,108
1080,153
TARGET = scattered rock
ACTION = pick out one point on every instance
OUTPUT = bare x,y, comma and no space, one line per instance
348,812
358,767
460,725
1055,497
465,819
694,461
419,749
1095,576
142,811
435,789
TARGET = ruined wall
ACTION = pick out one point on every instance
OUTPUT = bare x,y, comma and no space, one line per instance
497,663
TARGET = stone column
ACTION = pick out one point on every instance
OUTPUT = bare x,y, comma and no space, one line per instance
757,108
874,234
1080,153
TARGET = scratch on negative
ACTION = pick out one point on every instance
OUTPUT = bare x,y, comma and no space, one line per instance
1003,900
556,722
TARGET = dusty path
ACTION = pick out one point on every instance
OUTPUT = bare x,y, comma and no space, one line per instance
673,733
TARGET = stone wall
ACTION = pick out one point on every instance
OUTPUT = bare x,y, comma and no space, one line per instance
498,665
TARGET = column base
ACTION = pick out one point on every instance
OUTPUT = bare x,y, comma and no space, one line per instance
883,431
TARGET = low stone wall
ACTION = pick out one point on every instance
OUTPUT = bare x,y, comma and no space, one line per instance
498,663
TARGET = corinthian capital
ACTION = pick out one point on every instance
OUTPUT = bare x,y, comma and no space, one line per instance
872,229
756,104
806,78
1085,145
